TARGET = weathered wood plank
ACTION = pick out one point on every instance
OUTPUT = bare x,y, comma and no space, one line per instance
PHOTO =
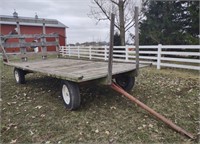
29,55
74,70
110,59
58,64
30,36
29,44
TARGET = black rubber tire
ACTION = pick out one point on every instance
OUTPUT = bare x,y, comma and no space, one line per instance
19,76
71,95
125,81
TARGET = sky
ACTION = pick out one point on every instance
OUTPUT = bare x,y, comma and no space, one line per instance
72,13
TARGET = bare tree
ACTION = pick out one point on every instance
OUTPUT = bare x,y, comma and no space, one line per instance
123,9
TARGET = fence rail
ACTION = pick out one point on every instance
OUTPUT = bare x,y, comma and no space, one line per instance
177,56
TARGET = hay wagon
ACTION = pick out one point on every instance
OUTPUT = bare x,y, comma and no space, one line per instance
75,70
72,71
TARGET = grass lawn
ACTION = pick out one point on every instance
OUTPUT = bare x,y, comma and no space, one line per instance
34,112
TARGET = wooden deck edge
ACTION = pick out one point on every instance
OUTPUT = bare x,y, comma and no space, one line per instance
70,77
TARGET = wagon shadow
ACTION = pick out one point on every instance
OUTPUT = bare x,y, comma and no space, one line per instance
91,94
43,82
95,95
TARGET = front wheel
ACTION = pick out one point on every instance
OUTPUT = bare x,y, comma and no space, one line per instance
19,75
71,95
125,81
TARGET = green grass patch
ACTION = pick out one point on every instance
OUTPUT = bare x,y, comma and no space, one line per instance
35,113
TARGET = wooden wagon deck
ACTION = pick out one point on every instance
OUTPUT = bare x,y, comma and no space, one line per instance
73,69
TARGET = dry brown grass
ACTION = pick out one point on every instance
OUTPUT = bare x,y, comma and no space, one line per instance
34,112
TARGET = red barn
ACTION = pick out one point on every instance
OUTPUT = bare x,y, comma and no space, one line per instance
30,25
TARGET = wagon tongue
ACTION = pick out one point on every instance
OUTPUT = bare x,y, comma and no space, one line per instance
151,111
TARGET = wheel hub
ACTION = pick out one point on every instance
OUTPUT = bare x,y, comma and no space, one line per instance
17,76
66,95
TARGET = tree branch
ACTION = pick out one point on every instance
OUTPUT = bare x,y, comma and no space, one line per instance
129,23
151,36
129,27
125,1
114,2
104,11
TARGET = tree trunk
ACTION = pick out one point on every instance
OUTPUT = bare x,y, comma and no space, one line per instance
121,21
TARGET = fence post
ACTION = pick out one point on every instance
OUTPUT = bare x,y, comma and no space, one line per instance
159,56
78,51
60,50
69,50
57,47
65,50
105,52
126,51
90,52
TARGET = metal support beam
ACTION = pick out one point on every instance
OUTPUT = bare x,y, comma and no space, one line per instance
110,60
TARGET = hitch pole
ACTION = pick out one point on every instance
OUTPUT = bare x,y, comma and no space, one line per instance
151,111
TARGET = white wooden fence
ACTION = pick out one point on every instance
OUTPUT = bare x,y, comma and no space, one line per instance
177,56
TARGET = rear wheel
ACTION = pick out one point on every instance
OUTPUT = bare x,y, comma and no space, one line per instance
125,81
71,95
19,75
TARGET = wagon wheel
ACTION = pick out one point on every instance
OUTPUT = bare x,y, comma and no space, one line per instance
71,95
125,81
19,75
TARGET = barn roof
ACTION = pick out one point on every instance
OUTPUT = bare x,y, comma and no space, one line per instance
30,21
